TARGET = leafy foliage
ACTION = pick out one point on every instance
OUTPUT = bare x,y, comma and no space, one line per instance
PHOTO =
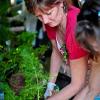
4,31
18,56
24,59
34,73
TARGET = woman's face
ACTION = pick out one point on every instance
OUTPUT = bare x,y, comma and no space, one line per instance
51,16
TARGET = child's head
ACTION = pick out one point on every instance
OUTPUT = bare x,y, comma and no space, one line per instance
88,27
88,36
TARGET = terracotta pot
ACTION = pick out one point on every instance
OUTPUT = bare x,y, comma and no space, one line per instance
16,82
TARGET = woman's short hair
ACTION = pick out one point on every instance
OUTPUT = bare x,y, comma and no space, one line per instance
33,4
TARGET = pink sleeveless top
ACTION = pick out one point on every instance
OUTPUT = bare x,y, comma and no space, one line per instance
73,48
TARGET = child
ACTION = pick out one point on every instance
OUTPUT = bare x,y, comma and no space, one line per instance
88,36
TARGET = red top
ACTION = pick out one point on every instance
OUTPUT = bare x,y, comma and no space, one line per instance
73,48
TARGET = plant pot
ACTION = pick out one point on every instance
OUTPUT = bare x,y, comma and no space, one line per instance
16,82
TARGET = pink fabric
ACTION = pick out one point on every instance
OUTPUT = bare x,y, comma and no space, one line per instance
73,48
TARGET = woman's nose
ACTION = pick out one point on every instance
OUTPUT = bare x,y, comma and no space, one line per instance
45,19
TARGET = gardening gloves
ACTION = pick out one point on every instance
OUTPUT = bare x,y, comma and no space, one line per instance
49,90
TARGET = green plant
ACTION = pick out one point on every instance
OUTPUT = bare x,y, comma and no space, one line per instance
23,59
8,93
18,56
6,52
9,61
35,76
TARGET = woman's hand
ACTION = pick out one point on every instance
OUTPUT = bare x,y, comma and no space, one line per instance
54,97
53,93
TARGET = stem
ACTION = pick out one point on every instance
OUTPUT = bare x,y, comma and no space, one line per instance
37,85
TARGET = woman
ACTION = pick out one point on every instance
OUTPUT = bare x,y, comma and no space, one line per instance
60,19
88,36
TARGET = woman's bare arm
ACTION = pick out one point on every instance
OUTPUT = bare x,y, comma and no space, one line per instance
78,75
55,63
